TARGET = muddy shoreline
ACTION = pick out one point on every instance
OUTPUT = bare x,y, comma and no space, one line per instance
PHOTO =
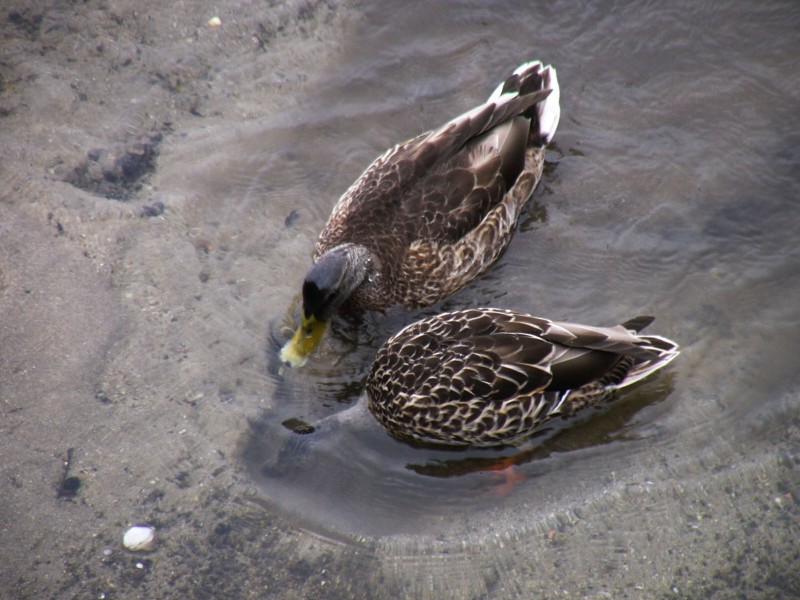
93,100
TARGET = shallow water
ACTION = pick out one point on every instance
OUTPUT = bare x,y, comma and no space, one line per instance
671,190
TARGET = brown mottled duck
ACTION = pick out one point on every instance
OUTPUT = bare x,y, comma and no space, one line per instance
488,377
432,213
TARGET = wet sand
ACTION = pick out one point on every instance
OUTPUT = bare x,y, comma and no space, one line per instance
95,98
112,275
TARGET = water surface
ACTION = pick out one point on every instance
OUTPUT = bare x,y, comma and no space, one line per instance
668,192
671,189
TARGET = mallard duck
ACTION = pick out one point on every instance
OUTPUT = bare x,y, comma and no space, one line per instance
432,213
488,377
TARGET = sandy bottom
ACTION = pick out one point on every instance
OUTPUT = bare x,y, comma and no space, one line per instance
120,291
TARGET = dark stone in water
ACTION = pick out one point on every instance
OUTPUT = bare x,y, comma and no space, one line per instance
118,178
153,210
298,426
69,487
291,218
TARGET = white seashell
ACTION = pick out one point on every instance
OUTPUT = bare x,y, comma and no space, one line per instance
139,537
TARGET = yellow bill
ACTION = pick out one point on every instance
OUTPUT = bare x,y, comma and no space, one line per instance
305,339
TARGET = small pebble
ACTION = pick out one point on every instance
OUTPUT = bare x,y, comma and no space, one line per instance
214,22
152,210
139,537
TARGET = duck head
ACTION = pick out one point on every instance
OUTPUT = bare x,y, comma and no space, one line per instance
328,284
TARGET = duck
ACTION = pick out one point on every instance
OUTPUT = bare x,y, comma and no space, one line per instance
489,377
432,213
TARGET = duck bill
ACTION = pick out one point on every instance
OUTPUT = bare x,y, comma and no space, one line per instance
295,352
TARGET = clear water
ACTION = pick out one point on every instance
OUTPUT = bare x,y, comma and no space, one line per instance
672,189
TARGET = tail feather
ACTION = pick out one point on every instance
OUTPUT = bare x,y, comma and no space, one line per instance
532,92
636,324
529,78
664,352
549,111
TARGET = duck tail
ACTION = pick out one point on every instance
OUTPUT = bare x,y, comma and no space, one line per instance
662,352
529,78
636,324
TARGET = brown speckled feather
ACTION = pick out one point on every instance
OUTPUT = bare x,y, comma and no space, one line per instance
491,377
436,211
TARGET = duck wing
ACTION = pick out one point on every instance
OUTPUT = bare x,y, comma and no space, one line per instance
486,353
490,377
457,378
440,184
